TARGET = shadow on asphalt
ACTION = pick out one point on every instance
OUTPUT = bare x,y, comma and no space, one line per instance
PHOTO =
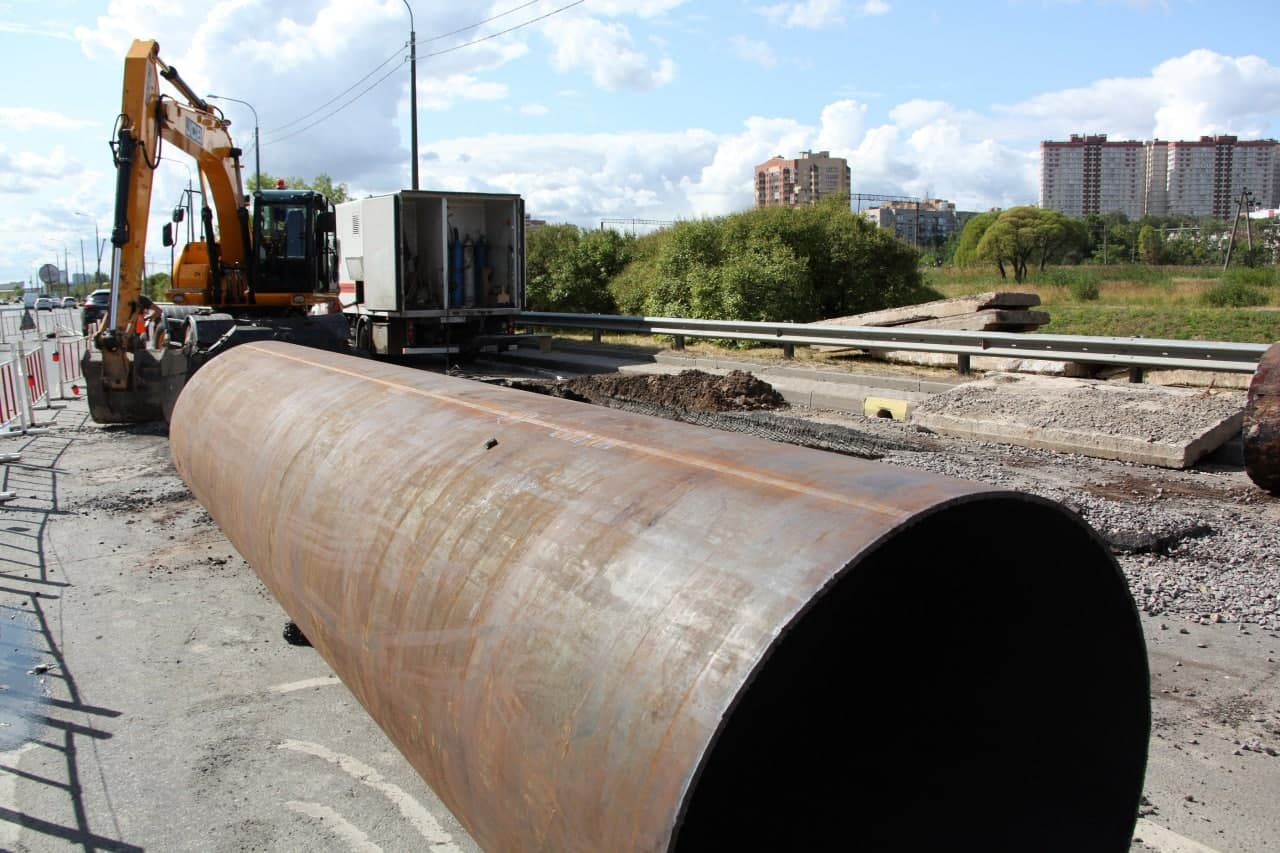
40,703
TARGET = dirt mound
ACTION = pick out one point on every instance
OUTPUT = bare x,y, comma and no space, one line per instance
689,390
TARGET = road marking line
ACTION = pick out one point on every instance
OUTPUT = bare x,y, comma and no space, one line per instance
345,830
417,814
322,681
1166,840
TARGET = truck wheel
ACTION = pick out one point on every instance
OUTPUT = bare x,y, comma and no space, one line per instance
364,339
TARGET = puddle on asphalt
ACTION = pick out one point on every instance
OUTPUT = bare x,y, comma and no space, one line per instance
22,692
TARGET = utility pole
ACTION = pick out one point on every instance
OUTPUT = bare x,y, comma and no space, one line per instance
98,242
1241,202
413,95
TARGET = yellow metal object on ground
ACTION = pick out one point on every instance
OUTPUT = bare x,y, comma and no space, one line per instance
886,407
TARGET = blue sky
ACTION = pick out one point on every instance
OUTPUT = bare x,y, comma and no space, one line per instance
648,109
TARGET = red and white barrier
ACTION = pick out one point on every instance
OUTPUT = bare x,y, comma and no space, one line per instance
12,410
66,355
36,375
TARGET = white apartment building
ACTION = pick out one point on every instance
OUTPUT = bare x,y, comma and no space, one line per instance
1205,177
1088,174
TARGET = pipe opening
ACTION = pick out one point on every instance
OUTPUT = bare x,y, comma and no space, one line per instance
978,681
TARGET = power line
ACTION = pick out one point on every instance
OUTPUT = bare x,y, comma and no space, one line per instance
375,83
334,112
288,124
507,30
482,23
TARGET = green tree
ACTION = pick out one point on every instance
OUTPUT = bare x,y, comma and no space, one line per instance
1149,244
568,268
323,184
1011,241
772,264
966,253
155,286
1059,238
1022,235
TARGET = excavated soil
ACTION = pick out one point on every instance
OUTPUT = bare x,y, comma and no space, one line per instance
735,402
689,390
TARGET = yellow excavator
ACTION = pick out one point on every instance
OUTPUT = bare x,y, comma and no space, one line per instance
268,273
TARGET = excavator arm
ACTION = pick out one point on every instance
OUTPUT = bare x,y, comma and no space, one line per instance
149,119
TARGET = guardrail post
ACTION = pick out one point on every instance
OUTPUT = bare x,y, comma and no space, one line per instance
595,335
1136,375
962,364
679,343
788,350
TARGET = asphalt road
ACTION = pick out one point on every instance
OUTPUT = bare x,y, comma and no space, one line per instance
148,701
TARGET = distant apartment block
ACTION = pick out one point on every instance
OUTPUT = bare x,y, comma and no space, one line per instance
788,183
928,222
1091,174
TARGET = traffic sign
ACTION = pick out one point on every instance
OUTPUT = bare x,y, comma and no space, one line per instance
49,274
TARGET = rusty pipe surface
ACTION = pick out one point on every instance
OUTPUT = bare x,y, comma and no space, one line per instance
592,630
1261,430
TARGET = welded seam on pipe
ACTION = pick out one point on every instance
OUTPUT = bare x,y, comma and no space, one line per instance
559,429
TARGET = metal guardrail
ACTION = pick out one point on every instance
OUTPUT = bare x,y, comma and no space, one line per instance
1134,353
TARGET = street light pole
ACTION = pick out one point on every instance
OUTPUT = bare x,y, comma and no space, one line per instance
413,95
97,242
257,158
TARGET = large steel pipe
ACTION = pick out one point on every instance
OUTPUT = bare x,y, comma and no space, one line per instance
1261,429
591,630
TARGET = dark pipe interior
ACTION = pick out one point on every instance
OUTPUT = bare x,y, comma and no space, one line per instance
978,682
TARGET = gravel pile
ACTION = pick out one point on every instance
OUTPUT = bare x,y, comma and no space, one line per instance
1201,545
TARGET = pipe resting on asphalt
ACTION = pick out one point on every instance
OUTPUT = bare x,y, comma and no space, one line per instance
592,630
1261,430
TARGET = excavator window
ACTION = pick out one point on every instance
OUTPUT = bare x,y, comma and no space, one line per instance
292,242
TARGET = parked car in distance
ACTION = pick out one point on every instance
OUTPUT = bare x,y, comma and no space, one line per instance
68,302
95,306
44,303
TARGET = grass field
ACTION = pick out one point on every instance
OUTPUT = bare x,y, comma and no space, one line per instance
1151,302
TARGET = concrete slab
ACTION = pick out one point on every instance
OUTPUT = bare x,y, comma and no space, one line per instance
1145,424
938,308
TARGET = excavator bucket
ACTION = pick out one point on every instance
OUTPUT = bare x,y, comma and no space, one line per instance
156,378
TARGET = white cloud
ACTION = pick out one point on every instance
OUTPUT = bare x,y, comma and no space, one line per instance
28,119
842,126
1202,92
639,8
442,93
807,14
534,110
751,50
875,7
605,52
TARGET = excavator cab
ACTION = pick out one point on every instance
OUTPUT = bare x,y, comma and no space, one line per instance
292,239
